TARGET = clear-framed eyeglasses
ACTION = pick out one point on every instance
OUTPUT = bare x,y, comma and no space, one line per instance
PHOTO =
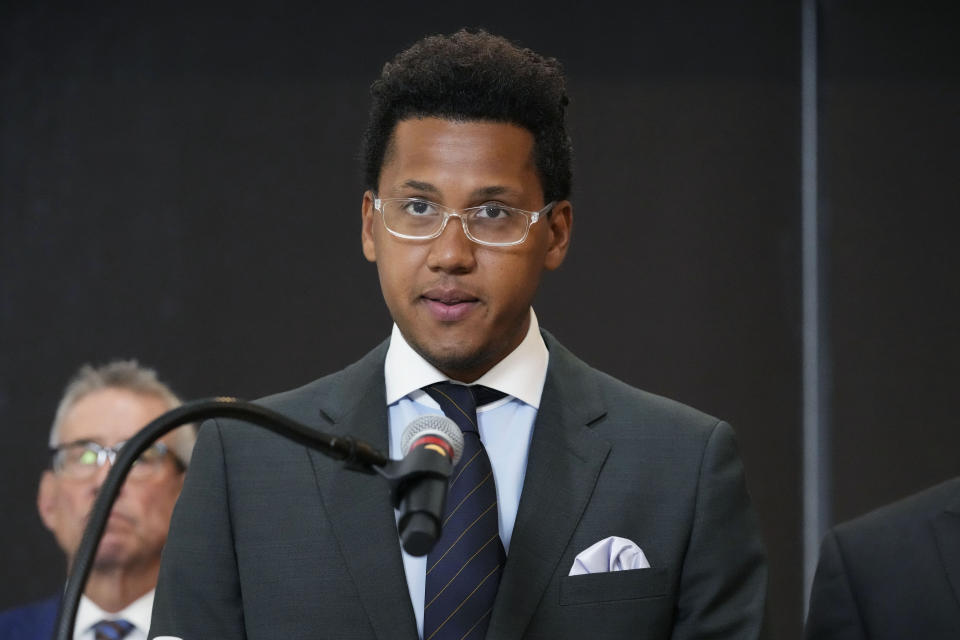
81,459
494,225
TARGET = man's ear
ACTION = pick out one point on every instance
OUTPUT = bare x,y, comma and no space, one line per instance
560,224
47,499
369,217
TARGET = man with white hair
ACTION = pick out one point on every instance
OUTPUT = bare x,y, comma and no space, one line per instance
101,409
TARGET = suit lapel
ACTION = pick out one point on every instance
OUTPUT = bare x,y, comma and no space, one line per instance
358,505
946,529
563,465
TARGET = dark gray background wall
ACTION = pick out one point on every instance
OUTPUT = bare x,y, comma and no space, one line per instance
890,116
178,184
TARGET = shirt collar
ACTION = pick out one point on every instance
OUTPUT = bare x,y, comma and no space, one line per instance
521,374
137,613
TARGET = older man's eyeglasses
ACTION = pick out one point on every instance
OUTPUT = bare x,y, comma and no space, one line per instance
494,225
81,459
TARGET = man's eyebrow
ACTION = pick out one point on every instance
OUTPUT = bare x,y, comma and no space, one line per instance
81,441
420,186
478,194
491,191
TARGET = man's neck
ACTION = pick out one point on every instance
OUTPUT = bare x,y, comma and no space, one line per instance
520,374
114,590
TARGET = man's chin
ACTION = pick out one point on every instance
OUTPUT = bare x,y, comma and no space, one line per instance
112,553
457,362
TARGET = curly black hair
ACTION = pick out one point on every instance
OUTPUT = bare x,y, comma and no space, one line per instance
474,76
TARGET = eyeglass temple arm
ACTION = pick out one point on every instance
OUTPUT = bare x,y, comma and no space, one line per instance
358,456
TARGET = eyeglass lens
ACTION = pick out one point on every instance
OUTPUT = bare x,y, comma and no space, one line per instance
82,459
496,224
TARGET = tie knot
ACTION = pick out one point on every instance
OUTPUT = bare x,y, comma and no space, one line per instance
485,395
459,402
112,629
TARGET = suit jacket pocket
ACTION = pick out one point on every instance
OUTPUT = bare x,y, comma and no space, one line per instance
631,584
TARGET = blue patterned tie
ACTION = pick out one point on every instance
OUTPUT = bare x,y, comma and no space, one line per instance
111,629
464,567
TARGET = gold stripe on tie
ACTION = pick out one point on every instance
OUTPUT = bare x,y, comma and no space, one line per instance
485,544
463,468
462,533
463,602
459,408
460,504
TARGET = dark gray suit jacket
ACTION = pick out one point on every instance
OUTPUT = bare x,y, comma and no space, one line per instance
270,540
893,573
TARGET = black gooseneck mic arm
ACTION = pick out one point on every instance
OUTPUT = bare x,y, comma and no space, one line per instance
357,456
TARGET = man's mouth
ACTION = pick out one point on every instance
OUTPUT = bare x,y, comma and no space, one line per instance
118,518
449,305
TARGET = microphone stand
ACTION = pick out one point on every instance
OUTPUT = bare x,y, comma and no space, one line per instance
357,456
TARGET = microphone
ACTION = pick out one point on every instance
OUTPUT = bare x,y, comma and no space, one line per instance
437,433
433,445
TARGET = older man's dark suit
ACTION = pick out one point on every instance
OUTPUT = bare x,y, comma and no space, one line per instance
34,621
893,573
270,540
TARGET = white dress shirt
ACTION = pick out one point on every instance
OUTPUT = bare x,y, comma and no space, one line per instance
137,613
505,426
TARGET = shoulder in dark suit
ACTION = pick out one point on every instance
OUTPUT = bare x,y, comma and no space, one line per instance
34,621
892,573
270,540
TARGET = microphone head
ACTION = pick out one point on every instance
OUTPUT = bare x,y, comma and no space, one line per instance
435,426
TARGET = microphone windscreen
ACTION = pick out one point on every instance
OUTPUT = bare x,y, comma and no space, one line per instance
437,426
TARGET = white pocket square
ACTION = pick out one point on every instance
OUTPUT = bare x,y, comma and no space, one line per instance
610,554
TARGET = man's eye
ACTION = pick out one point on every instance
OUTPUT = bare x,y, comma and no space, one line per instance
88,457
493,212
150,455
419,208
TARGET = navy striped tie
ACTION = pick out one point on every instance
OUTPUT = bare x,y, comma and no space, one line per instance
464,567
111,629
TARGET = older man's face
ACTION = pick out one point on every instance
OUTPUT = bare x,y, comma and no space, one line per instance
137,528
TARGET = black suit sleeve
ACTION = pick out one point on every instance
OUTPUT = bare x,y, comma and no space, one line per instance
834,613
198,593
724,576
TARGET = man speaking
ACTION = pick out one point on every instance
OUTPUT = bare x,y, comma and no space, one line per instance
581,507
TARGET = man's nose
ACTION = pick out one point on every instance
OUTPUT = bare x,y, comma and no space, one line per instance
452,250
100,475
